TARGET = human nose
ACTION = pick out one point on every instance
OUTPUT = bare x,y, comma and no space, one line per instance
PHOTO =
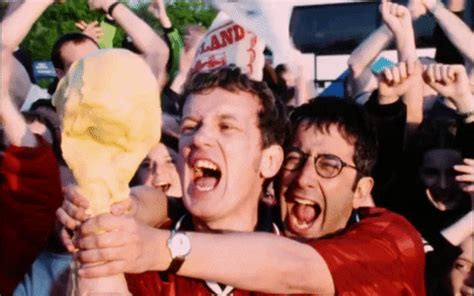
443,180
307,176
202,136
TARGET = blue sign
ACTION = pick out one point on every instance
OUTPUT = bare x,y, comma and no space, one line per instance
43,70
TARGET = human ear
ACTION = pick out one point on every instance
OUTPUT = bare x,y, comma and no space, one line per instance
272,158
362,193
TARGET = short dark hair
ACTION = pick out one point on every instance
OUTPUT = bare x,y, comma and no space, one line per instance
352,122
271,116
76,38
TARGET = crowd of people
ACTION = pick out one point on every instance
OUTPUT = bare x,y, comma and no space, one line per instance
255,187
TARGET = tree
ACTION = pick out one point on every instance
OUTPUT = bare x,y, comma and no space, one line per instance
181,13
59,19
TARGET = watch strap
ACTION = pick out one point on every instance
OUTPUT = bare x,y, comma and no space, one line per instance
111,8
175,265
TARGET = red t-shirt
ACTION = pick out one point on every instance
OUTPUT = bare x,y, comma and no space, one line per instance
153,284
30,192
150,284
380,255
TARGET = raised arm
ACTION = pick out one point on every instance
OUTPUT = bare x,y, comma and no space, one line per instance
16,25
14,125
369,49
399,21
144,38
455,29
460,230
158,9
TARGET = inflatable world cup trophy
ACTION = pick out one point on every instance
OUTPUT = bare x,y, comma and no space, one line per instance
111,118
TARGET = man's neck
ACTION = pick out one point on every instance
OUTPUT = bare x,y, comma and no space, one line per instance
229,224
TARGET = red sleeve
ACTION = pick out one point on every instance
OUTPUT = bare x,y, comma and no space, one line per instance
381,255
30,194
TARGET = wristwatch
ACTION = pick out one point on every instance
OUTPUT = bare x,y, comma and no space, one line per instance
179,246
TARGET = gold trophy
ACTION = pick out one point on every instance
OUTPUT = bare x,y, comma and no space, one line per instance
109,103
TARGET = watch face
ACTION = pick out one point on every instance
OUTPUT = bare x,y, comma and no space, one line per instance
180,245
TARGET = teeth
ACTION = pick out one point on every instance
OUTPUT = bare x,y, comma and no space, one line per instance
305,202
205,164
204,188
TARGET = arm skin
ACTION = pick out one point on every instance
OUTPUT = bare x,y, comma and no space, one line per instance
152,47
158,9
455,29
15,27
369,49
364,55
251,261
460,230
398,19
17,24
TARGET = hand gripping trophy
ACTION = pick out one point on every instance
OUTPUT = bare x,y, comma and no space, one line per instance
111,118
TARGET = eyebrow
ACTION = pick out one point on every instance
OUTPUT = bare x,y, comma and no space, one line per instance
465,260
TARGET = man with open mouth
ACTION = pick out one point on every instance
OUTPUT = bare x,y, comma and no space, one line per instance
339,246
232,131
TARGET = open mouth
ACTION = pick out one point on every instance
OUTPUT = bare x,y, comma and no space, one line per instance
164,187
304,213
206,175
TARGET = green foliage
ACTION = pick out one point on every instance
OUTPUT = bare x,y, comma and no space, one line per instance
59,19
181,13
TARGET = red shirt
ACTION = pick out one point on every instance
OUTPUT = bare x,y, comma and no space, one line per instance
150,284
380,255
30,192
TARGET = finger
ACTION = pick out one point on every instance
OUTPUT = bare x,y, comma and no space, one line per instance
467,169
101,240
411,65
452,73
76,213
445,74
402,67
387,74
396,75
122,207
79,26
106,269
468,178
67,240
437,73
469,188
383,8
469,161
430,73
66,220
399,12
103,222
71,194
100,255
393,9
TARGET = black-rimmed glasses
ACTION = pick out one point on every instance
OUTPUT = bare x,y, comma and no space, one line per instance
326,165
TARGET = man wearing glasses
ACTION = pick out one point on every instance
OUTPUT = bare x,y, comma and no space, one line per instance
338,246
